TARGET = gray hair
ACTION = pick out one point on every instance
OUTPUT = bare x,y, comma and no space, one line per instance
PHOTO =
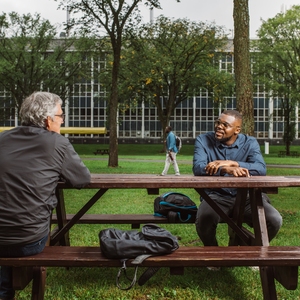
37,107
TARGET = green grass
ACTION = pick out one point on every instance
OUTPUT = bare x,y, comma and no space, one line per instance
197,283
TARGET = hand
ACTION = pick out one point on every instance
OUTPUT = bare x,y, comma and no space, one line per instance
236,171
213,167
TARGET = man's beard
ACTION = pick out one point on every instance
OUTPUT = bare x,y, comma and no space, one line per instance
223,140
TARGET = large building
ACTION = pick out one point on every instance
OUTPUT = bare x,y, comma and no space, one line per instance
87,107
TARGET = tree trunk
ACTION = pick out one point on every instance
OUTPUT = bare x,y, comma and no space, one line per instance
113,113
242,67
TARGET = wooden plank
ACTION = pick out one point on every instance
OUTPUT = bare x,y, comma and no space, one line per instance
188,181
183,257
114,219
61,218
39,283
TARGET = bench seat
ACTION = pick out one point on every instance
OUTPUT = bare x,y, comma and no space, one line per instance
134,219
73,256
284,262
101,151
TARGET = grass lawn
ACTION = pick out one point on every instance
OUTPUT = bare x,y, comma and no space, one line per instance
197,283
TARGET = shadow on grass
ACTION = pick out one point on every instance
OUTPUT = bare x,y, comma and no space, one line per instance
196,283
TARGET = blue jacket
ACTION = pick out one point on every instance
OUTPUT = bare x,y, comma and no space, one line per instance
171,142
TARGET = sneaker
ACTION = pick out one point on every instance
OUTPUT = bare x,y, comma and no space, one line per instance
161,174
177,174
214,269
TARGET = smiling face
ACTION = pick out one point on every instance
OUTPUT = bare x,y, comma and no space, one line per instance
227,128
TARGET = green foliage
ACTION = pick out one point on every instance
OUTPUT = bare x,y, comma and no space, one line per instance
113,17
170,59
277,64
32,58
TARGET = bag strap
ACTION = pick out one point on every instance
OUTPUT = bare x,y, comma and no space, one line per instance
186,220
137,261
172,217
147,275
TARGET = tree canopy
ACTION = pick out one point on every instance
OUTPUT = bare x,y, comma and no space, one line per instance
108,17
33,58
277,64
167,61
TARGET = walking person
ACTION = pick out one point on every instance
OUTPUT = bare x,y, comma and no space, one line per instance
33,158
171,152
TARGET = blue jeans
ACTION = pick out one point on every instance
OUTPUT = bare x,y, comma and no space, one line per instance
6,284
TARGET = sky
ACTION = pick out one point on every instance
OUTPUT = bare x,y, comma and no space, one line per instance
211,11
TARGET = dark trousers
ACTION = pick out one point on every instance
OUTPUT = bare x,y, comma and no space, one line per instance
6,284
207,219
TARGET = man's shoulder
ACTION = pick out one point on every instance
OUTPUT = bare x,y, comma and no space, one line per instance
171,134
44,134
207,135
247,138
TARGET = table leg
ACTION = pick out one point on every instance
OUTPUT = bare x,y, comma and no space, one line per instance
237,217
258,218
261,239
38,284
61,218
268,283
66,227
238,230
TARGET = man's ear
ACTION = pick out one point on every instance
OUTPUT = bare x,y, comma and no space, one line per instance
47,122
238,130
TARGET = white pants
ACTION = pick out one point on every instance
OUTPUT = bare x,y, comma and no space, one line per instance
170,161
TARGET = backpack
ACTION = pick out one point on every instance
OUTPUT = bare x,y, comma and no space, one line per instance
177,207
132,244
178,142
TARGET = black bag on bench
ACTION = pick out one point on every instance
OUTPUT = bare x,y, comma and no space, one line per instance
127,244
177,207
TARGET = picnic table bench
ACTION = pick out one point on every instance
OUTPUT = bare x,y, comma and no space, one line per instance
101,151
134,219
283,262
276,263
292,153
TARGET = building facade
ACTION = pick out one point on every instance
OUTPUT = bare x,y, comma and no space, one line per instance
87,107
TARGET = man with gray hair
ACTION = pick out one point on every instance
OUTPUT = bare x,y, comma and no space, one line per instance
33,158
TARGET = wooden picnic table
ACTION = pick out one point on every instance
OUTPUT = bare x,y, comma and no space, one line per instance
254,185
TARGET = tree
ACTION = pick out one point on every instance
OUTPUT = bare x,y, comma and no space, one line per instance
33,59
242,67
277,61
168,60
113,16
